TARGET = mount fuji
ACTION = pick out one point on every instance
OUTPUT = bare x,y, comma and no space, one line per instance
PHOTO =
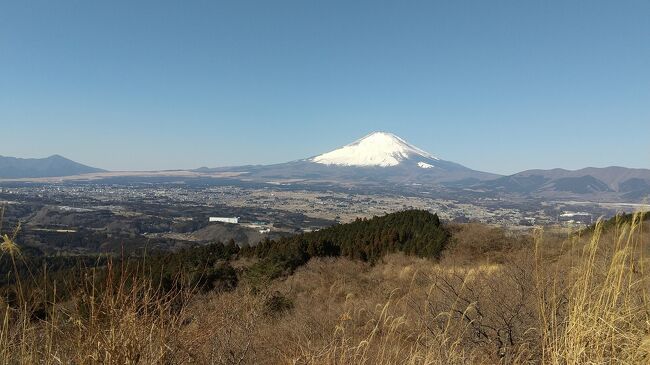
380,149
379,157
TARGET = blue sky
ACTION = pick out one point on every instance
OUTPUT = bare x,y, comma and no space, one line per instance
500,86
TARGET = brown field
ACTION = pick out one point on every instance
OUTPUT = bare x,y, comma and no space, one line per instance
494,297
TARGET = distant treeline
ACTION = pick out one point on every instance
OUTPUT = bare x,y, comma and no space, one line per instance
208,267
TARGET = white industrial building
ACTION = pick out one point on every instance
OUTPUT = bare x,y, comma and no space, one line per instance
576,218
233,220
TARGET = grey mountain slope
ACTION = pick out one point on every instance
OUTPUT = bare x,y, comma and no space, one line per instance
406,172
629,184
53,166
613,176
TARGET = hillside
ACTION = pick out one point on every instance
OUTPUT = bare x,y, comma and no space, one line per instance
417,233
491,296
413,232
609,182
53,166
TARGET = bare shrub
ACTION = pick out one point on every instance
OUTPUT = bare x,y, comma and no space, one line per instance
479,242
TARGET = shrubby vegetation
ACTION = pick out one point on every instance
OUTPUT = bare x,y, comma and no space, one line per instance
398,289
617,221
208,267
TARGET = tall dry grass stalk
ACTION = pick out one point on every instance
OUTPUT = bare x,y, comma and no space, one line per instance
599,312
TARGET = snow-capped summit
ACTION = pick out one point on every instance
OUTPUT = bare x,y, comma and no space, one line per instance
376,149
379,158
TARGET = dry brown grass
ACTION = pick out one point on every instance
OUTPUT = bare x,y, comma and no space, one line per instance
594,304
129,323
538,299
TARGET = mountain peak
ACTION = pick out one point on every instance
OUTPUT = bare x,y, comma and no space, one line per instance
52,166
376,149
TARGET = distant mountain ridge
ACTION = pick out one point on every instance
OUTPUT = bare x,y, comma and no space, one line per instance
53,166
385,161
626,183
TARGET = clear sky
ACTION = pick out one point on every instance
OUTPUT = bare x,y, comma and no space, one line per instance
498,86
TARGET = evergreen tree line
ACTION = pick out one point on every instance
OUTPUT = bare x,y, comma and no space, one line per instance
207,267
413,232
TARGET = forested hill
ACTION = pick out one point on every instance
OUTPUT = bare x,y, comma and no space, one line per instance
414,232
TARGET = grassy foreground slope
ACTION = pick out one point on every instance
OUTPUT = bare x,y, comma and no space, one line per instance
487,296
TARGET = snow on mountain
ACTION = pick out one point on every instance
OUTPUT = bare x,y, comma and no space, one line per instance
379,158
377,149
